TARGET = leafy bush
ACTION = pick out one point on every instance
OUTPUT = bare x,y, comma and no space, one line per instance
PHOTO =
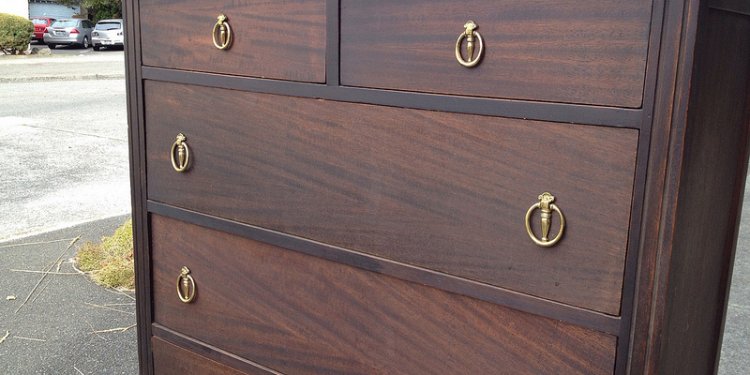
15,33
104,9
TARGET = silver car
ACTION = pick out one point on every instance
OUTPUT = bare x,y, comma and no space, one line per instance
108,33
70,32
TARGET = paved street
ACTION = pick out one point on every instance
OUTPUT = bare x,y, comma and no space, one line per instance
64,161
63,143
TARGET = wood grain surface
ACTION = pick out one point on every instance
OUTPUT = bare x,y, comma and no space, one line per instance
170,359
713,162
272,39
298,314
589,52
443,191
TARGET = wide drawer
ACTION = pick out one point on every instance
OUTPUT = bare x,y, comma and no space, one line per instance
581,51
270,39
296,314
443,191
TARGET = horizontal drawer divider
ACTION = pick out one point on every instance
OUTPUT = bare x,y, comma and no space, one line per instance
515,300
209,351
545,111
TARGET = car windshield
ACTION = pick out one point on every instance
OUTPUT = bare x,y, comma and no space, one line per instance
65,23
108,26
37,21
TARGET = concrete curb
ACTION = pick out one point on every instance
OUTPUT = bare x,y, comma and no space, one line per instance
120,217
83,77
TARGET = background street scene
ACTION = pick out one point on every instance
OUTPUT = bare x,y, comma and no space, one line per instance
63,141
64,180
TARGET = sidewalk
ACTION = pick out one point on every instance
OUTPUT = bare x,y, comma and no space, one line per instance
61,322
46,68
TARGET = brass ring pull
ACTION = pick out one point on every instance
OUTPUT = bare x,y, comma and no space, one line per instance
222,33
469,34
185,286
547,207
183,154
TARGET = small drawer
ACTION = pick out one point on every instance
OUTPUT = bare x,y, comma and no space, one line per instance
296,314
282,40
443,191
581,51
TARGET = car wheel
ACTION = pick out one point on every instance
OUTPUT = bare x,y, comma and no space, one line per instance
85,43
51,46
96,48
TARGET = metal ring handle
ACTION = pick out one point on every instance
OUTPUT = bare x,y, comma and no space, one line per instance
469,33
183,154
222,28
546,215
185,286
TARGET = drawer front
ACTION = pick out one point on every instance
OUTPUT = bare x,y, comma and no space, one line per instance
271,39
443,191
172,359
580,51
296,313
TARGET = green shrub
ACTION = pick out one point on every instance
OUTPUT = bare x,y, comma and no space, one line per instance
15,33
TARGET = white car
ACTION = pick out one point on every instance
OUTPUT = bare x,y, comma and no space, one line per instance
108,33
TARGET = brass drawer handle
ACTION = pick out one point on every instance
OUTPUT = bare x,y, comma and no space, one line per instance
183,154
222,33
469,34
547,207
185,286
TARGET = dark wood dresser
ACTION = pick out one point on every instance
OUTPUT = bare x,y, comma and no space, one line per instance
436,186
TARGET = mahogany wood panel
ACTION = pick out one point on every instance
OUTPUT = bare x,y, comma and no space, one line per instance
588,51
443,191
713,167
272,39
300,314
172,359
738,6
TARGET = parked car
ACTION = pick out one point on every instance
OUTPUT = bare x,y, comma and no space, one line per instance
40,25
72,31
108,33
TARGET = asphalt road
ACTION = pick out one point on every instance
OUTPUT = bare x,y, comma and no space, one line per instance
62,323
63,145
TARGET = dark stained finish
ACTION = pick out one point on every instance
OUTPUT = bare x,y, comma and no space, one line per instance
714,163
300,314
171,359
518,301
350,237
283,40
669,98
545,111
737,6
700,161
588,51
446,192
137,164
210,352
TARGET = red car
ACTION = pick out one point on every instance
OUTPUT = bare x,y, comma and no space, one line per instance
41,24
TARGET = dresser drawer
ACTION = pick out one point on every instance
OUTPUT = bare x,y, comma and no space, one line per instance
579,51
443,191
296,313
171,359
271,39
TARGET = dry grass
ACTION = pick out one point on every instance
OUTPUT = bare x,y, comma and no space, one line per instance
110,263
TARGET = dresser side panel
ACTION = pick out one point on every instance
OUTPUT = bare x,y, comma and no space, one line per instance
709,196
